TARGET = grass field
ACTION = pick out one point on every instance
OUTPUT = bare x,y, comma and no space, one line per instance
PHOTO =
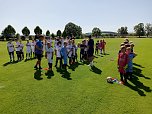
80,90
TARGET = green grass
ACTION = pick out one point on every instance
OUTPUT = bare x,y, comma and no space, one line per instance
81,90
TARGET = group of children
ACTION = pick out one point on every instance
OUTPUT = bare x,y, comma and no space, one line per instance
18,47
100,46
125,58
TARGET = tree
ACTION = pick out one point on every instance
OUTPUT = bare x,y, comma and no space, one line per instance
38,30
52,35
123,31
148,29
139,29
25,31
72,29
64,34
96,32
8,32
47,33
59,33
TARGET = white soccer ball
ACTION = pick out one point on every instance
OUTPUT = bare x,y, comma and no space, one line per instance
109,80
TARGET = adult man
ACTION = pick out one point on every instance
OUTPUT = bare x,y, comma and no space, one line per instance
38,51
90,50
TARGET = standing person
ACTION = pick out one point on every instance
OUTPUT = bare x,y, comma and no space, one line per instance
70,49
28,50
103,46
18,50
90,50
97,47
122,62
58,54
86,49
38,51
100,46
74,48
21,50
64,54
49,55
10,48
82,54
33,48
129,69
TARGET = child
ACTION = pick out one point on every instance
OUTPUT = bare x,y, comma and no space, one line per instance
86,49
58,54
100,46
69,47
28,50
33,48
103,46
82,47
74,48
49,55
122,62
10,48
64,54
21,50
97,47
18,50
129,69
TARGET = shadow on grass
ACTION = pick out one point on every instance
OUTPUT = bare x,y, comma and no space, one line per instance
65,74
26,60
49,74
137,85
8,63
37,75
95,70
74,66
135,64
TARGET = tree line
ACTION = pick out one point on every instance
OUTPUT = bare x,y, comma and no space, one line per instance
74,30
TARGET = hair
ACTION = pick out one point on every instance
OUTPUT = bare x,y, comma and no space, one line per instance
123,47
41,36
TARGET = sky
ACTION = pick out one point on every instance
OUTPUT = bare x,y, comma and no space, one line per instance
53,15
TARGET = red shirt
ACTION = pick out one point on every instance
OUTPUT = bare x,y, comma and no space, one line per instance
122,61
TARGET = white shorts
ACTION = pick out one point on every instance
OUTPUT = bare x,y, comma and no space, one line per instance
28,51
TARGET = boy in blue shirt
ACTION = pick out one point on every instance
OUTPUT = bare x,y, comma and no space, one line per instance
64,54
38,51
129,69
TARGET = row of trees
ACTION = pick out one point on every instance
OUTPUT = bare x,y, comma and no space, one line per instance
71,29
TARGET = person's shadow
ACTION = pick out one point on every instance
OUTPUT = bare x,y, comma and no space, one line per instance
96,70
75,65
49,74
136,84
65,74
37,75
9,63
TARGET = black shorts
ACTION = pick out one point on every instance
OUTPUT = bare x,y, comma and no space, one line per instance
11,53
39,56
90,53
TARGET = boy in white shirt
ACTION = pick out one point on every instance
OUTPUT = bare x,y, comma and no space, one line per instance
33,48
10,48
18,50
49,55
28,50
70,49
58,54
21,50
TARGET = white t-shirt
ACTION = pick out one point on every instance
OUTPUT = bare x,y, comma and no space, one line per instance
21,47
17,46
28,46
10,47
49,52
58,51
69,48
33,46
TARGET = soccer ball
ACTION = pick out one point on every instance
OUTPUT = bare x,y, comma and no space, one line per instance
109,80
